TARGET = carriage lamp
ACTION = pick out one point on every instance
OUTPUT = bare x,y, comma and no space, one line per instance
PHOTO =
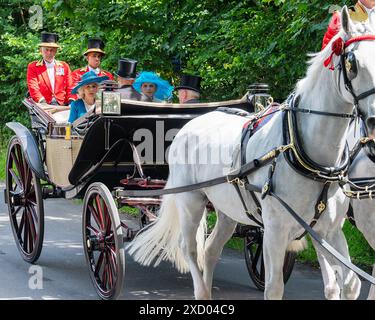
108,100
111,102
259,97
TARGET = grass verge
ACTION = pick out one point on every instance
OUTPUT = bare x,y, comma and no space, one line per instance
360,251
3,155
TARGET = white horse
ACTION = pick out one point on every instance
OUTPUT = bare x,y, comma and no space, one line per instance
361,168
363,210
178,233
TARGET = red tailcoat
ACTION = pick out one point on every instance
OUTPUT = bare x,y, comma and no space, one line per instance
40,86
77,75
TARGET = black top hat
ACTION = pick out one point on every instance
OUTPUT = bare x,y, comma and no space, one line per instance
127,68
49,40
95,45
190,82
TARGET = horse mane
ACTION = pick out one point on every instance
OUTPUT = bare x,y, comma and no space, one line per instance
317,74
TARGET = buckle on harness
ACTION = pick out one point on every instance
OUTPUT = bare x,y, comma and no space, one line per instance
321,207
237,181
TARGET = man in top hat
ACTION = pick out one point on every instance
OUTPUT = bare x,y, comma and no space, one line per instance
126,75
189,89
49,80
93,54
364,10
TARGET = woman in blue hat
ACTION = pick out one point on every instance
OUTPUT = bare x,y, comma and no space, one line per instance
151,85
86,90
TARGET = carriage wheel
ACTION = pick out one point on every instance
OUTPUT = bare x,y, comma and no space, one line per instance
254,258
25,205
103,241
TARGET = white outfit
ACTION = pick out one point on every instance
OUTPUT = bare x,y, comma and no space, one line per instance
51,73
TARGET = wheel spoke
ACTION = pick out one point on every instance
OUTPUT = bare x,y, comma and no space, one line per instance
95,215
19,163
31,233
16,179
19,228
110,271
31,223
29,176
112,263
107,221
14,161
100,211
99,263
32,203
105,274
110,238
93,230
16,211
26,233
30,195
33,214
113,255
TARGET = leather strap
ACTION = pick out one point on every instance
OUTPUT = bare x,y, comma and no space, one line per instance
326,246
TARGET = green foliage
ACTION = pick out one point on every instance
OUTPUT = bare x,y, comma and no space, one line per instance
360,251
3,156
230,43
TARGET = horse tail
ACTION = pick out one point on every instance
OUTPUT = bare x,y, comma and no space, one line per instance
297,245
161,240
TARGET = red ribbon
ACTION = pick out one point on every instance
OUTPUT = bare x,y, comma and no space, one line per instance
337,49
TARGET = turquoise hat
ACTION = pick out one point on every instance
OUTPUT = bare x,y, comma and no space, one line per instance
87,78
163,89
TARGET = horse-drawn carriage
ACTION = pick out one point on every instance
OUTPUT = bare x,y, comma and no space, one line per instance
99,159
119,145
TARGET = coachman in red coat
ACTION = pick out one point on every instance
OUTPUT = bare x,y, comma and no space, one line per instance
49,80
93,54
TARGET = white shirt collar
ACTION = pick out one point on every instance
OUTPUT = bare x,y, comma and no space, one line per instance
88,106
97,70
50,64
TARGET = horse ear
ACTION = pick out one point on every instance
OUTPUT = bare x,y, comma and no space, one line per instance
345,20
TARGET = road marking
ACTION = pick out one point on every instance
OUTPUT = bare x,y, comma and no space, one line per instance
17,298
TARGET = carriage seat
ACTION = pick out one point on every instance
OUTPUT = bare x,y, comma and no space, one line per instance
61,117
59,113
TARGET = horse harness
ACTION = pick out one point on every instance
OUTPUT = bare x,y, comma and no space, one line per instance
294,155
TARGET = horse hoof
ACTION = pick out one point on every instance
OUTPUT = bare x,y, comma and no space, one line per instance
332,293
352,290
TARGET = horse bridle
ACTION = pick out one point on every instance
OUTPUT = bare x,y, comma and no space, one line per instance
296,155
349,68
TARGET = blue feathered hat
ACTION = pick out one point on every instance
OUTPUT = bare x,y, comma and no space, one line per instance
87,78
163,89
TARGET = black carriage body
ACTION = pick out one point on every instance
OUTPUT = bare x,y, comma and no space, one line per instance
105,153
89,160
